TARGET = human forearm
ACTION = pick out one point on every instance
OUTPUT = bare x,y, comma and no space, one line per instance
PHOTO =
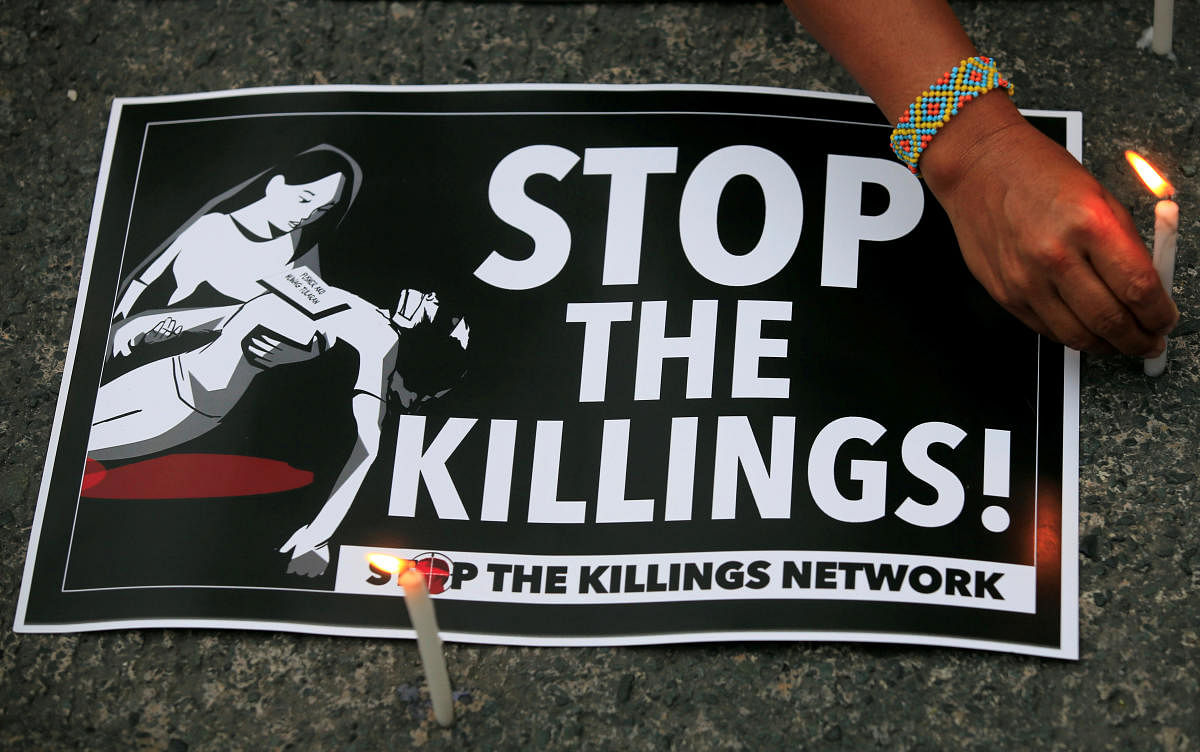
327,521
156,326
368,414
894,49
129,298
147,277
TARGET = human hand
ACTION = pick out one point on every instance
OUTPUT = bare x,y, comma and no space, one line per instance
309,557
266,349
134,333
1046,240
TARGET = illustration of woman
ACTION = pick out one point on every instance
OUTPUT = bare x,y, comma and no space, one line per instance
272,221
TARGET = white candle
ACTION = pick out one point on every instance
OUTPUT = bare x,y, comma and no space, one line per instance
1164,26
1166,230
429,644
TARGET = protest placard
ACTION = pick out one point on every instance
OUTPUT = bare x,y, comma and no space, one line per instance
613,365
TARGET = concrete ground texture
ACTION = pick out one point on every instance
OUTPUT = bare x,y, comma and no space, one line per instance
1137,683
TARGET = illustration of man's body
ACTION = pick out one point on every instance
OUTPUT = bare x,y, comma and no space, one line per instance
167,402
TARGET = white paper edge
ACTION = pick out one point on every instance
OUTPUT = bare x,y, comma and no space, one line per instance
1069,580
110,140
350,88
488,638
1069,544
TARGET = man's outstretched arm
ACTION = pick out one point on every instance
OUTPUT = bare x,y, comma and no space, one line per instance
307,545
1046,240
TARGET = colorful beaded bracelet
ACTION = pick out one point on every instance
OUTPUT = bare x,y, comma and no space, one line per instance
940,102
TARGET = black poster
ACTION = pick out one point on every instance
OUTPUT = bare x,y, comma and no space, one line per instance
611,365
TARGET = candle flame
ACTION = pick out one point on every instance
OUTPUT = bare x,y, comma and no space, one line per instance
1154,180
388,563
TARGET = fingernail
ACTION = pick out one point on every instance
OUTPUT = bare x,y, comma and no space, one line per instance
1157,350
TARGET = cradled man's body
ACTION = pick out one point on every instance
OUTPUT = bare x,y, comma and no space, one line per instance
151,407
164,403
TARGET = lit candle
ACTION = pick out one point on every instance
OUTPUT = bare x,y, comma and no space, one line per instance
1166,230
429,644
1164,26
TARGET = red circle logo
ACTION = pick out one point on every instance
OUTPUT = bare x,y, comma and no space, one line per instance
436,570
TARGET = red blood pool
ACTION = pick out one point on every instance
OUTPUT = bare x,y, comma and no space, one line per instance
436,571
93,473
193,476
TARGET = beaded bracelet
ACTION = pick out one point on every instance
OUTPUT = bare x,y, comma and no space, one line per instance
940,102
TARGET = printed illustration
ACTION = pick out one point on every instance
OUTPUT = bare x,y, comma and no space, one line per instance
169,401
263,233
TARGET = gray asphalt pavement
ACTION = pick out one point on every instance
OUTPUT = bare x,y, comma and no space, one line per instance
1136,685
